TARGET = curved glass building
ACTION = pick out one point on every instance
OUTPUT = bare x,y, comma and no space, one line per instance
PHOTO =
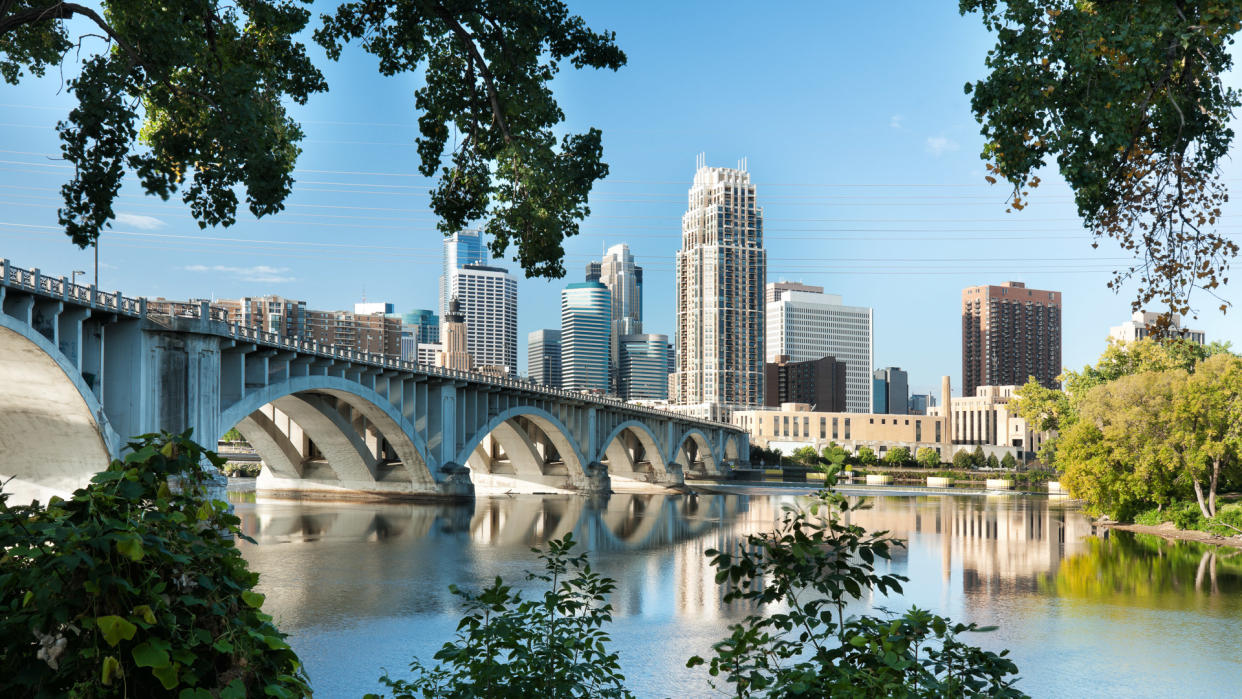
586,336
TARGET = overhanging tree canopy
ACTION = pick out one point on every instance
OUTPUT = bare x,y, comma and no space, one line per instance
191,95
1127,97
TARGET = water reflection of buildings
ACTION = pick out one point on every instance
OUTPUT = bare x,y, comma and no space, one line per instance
1001,543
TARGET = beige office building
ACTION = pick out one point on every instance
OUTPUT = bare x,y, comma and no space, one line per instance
986,419
795,425
721,271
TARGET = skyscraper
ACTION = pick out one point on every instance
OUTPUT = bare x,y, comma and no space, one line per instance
804,323
543,357
1010,333
586,334
643,372
721,271
460,249
488,297
891,391
624,280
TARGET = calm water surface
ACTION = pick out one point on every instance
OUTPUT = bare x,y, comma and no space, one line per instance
364,587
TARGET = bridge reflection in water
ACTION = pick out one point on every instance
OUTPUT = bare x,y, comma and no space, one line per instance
364,586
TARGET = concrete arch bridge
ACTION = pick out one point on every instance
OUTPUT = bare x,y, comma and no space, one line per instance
81,370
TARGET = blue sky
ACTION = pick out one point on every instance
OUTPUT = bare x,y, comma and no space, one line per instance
852,117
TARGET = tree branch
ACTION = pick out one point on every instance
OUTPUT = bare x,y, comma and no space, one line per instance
468,41
64,10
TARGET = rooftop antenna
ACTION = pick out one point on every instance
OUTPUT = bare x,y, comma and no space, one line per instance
700,161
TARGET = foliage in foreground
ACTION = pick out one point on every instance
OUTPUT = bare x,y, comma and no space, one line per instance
133,588
553,646
799,641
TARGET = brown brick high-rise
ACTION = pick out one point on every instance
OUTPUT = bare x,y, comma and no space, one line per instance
1010,333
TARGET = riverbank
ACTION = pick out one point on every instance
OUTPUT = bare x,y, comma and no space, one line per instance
1168,530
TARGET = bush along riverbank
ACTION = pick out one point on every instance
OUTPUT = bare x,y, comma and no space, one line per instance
1034,479
1184,521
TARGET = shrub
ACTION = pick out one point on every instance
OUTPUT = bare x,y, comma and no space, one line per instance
1008,462
962,460
247,469
866,456
799,641
977,459
1230,515
1151,518
133,587
554,646
928,457
1185,515
897,456
992,462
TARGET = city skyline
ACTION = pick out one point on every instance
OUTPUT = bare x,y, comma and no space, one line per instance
875,203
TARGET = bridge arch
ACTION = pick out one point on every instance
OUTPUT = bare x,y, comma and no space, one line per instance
518,444
54,434
621,461
304,397
692,447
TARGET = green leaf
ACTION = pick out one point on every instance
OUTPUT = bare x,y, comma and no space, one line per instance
167,675
130,547
111,668
145,612
252,598
147,655
114,628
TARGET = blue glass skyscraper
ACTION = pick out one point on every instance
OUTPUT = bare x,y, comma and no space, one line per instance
586,336
460,249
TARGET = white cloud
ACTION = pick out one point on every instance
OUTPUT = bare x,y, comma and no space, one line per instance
146,223
939,145
257,273
895,121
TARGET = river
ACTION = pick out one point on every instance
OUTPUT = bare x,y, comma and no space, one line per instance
362,587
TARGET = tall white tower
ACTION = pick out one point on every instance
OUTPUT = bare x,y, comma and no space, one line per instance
721,271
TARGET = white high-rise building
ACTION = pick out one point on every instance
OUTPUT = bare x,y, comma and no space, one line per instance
804,323
721,270
624,280
460,249
1140,323
488,297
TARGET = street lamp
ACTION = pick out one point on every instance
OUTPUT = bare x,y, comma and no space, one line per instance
74,278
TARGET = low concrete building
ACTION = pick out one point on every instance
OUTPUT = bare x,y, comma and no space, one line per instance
795,425
986,420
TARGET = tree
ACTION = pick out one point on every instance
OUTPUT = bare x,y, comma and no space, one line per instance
977,459
962,460
133,588
866,456
192,95
897,456
928,457
799,641
553,646
1206,426
1118,457
805,455
1009,463
992,462
1128,98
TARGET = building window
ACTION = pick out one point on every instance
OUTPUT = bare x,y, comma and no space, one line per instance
847,428
806,427
834,428
938,431
823,428
918,430
795,432
785,425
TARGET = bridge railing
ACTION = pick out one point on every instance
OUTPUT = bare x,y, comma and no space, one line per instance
61,288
